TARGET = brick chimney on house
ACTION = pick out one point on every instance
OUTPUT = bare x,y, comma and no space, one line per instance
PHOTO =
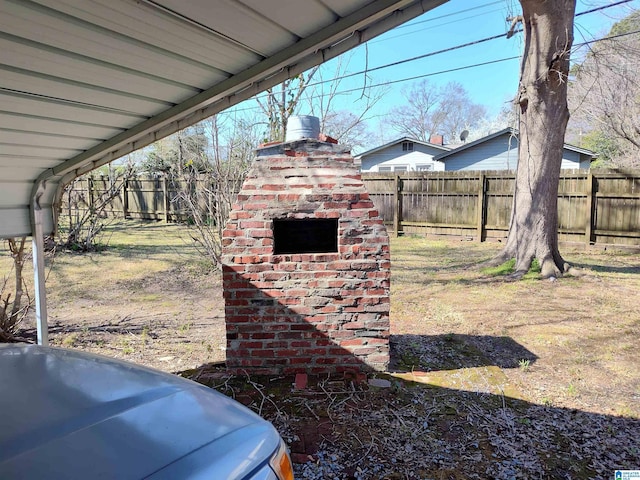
306,266
436,139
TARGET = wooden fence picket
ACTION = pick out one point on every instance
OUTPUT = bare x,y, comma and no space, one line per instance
594,206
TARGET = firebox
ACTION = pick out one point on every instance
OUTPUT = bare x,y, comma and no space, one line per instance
306,266
305,235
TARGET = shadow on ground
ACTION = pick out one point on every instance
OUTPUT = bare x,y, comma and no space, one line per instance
444,411
454,351
627,269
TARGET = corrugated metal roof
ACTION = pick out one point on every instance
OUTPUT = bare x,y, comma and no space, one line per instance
84,82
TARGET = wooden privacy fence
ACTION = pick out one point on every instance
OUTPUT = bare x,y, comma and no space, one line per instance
601,206
147,198
594,207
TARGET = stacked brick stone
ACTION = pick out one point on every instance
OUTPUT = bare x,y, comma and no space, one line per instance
305,312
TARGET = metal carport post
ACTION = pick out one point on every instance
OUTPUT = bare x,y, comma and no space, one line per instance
37,233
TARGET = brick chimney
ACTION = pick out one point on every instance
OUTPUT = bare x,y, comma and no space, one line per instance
436,139
306,266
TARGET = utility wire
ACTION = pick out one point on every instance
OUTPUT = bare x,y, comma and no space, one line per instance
450,49
411,24
456,47
465,67
412,59
431,74
438,25
611,37
433,19
603,7
441,72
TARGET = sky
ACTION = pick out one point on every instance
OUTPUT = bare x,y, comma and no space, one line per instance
463,21
455,23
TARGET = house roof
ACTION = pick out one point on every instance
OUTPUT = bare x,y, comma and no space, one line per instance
400,140
511,131
84,83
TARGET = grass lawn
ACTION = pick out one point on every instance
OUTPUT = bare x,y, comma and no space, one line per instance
490,378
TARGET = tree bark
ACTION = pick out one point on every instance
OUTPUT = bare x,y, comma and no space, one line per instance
542,99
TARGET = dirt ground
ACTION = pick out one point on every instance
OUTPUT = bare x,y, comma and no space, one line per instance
147,298
490,378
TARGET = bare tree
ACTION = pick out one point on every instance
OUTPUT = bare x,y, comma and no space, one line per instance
542,98
14,311
282,101
182,151
435,110
506,117
208,193
161,156
349,127
604,96
458,111
420,117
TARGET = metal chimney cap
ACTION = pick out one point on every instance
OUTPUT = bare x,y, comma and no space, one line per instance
302,126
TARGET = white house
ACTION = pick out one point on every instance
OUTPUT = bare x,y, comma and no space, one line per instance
403,155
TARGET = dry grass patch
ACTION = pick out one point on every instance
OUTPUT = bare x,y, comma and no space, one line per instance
491,378
582,330
135,297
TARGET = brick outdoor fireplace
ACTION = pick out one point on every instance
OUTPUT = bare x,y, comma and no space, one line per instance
305,266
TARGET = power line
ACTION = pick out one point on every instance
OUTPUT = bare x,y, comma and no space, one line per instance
465,67
416,77
431,27
411,24
412,59
611,37
603,7
449,49
400,80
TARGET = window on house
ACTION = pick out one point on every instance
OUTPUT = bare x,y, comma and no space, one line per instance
407,146
425,167
400,168
384,169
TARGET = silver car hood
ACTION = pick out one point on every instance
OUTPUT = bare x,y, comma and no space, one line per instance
67,414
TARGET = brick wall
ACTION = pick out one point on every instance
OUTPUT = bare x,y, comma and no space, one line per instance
306,312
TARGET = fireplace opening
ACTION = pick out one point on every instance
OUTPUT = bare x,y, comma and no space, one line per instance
307,235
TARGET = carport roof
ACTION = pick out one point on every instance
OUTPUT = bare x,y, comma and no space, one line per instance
83,82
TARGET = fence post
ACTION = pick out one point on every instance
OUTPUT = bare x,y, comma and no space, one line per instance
165,195
125,197
480,209
589,236
90,192
397,202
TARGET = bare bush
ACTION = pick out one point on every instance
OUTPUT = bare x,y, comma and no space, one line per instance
14,311
207,197
83,215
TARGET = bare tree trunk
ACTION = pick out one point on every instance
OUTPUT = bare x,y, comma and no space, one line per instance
17,252
542,98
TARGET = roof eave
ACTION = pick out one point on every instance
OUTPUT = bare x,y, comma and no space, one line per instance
343,35
402,139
